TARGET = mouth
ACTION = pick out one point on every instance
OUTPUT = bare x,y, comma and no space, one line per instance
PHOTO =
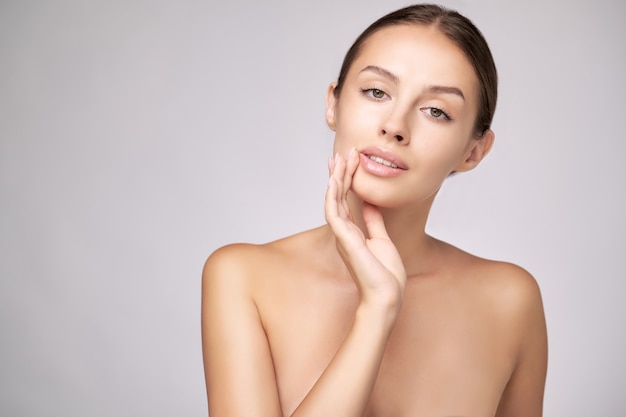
384,157
382,161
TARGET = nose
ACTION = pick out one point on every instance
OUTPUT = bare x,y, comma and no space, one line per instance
394,126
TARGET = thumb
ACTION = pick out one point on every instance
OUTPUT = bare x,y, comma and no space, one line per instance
374,222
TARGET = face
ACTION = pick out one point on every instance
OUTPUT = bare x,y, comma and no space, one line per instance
408,106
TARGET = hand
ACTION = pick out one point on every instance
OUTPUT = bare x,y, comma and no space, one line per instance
373,261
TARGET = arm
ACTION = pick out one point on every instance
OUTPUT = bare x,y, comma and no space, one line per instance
344,388
238,363
523,395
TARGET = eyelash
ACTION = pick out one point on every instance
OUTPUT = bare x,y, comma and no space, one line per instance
443,116
369,91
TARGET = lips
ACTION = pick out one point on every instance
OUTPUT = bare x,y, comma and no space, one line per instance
384,157
381,162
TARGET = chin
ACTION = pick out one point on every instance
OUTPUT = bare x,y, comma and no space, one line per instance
377,195
388,195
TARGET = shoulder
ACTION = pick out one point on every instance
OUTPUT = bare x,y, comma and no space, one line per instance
508,279
506,291
517,309
514,289
233,335
236,264
250,256
508,285
514,296
230,284
246,263
233,257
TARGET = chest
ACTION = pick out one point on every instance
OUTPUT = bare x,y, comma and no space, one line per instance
445,375
445,355
442,361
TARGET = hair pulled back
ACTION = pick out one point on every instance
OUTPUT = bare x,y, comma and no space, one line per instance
459,30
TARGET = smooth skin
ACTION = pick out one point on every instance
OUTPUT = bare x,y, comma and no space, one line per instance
368,315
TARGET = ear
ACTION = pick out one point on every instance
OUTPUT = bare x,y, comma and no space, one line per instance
477,151
331,106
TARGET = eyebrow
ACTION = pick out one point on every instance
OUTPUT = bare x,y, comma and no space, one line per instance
442,89
382,72
432,89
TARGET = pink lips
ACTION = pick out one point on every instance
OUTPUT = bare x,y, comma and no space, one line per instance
380,165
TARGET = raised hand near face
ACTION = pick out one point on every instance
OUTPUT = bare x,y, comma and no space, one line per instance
370,255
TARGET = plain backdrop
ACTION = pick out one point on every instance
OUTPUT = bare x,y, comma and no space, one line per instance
138,136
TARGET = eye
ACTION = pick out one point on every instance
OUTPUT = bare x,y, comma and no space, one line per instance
375,93
436,113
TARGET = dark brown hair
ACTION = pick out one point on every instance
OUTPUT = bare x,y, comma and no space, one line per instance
459,30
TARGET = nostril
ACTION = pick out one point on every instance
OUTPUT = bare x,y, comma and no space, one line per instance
399,138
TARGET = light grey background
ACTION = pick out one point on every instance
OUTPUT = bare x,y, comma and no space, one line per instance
138,136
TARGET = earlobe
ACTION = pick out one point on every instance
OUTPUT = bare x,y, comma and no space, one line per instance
480,148
331,101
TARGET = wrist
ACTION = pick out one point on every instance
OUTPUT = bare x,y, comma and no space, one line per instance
378,313
385,300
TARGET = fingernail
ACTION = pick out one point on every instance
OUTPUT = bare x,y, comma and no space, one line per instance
350,153
336,157
330,163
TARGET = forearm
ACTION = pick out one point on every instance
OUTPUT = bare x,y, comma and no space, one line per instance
345,386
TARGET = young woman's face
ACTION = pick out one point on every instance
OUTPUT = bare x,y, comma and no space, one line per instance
410,100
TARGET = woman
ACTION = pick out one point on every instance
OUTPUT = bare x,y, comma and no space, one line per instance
368,315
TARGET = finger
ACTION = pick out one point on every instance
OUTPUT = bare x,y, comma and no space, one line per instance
338,224
349,170
334,209
346,182
339,177
330,202
338,170
374,222
352,162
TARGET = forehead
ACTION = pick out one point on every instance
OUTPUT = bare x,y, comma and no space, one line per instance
418,54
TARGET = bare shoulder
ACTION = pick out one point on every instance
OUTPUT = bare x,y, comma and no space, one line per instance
511,297
508,293
509,286
244,264
511,301
511,281
513,289
514,300
233,337
235,266
234,259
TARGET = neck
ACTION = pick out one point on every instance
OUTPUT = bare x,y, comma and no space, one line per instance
406,228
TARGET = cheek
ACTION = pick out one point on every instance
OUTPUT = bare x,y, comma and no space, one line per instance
440,149
354,125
